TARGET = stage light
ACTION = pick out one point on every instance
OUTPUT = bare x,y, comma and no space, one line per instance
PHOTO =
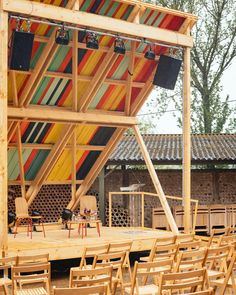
92,41
150,54
11,221
66,216
62,36
119,46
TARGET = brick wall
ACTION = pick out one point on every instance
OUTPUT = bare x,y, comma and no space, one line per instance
207,186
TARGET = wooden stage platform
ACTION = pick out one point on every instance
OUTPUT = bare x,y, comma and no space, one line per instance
59,246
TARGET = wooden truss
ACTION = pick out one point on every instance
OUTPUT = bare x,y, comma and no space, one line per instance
21,109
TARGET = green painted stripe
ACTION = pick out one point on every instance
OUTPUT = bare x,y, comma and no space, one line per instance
112,9
121,68
42,86
58,92
104,7
151,19
36,165
50,91
59,58
86,5
37,55
98,96
13,165
144,16
159,20
25,155
128,11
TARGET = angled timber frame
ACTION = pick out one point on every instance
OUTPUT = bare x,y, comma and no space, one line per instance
20,109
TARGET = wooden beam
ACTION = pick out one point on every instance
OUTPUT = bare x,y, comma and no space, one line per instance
46,182
48,146
186,181
97,22
93,173
73,167
75,72
20,160
44,114
11,130
130,79
49,163
3,128
97,80
155,180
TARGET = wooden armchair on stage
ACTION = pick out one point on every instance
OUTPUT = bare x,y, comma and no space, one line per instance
22,213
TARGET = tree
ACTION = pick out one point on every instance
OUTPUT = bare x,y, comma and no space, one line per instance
215,48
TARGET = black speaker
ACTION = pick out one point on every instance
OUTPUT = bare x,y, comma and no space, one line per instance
21,49
167,72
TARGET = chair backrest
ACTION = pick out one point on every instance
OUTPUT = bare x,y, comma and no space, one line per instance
160,252
227,240
30,260
216,258
115,259
90,277
87,202
90,252
216,233
120,247
191,281
188,246
182,238
103,289
6,263
190,260
229,274
161,241
32,274
21,207
205,292
144,270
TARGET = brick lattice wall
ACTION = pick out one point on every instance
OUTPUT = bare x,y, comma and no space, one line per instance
53,198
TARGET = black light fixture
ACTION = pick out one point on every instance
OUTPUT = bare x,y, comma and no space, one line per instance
119,46
92,41
62,36
11,221
150,54
66,216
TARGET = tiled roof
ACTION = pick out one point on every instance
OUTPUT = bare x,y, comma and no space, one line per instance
168,148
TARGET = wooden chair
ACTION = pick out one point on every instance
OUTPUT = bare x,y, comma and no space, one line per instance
227,240
90,277
182,238
188,246
148,270
206,292
183,282
37,276
5,265
87,202
218,216
158,243
190,260
159,219
120,247
116,260
103,289
162,252
90,252
216,260
23,213
227,279
216,233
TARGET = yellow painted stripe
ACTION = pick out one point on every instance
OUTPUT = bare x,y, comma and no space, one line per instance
54,133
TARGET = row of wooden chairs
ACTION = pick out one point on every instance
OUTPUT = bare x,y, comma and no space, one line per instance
208,217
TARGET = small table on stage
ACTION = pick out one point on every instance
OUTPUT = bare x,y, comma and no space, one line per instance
82,226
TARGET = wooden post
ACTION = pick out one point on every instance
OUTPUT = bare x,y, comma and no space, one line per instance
110,209
142,201
3,127
102,207
186,182
155,180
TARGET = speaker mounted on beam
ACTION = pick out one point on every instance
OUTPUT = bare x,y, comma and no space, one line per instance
21,49
167,72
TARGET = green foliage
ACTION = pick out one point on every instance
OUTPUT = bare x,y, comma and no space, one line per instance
214,50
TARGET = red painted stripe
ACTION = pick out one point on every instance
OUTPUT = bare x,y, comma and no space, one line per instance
115,66
45,91
34,49
47,133
105,97
155,19
30,160
176,23
149,15
98,64
23,86
109,7
65,61
65,94
166,21
84,60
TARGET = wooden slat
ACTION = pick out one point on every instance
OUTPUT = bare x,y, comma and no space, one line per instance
97,22
155,180
3,128
44,114
49,163
49,146
20,160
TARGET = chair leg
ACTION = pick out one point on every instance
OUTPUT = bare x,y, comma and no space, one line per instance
98,228
43,228
30,221
17,224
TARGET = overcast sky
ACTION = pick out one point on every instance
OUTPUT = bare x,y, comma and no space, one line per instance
167,123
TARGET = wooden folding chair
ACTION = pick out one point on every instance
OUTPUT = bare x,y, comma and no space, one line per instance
190,260
120,247
182,238
227,240
23,213
116,260
183,282
32,259
145,276
5,265
216,261
216,234
162,252
90,252
158,243
227,279
101,290
31,279
189,246
90,277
